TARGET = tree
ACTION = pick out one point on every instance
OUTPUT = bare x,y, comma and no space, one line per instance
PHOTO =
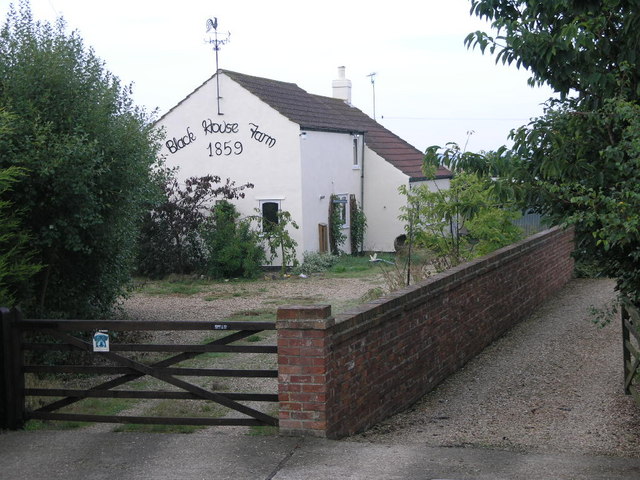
579,163
279,241
87,151
15,258
458,223
584,46
16,267
171,239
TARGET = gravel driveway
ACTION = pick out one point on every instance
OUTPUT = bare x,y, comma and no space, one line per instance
221,300
552,384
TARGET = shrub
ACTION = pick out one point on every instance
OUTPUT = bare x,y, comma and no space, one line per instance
171,237
87,150
313,262
233,248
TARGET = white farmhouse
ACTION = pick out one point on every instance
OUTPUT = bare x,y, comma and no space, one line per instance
298,149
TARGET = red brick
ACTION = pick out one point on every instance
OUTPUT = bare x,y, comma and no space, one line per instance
312,351
287,424
304,361
314,407
285,368
310,397
302,379
318,425
303,416
284,333
306,312
289,406
313,388
289,387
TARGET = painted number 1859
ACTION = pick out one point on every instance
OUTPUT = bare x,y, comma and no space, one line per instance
217,149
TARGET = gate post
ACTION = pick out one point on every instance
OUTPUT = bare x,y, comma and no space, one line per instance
11,375
626,354
304,369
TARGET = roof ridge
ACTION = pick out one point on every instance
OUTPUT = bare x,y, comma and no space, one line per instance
319,112
232,73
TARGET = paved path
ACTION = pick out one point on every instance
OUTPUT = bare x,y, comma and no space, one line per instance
214,454
67,455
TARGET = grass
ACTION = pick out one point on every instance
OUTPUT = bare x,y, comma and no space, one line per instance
89,406
349,266
139,427
184,287
257,315
176,408
297,300
263,430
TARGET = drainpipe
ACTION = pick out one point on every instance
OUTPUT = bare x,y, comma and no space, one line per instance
362,181
362,172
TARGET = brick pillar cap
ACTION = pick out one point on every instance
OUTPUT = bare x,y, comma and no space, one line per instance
314,317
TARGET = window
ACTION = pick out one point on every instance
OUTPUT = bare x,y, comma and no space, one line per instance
340,204
269,209
356,160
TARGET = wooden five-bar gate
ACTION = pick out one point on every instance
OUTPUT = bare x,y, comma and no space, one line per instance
122,363
631,350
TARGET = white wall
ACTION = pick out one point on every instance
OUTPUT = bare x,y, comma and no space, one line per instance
299,171
249,142
382,202
327,168
434,185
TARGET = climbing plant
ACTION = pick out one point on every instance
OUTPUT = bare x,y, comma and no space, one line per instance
337,213
278,239
358,226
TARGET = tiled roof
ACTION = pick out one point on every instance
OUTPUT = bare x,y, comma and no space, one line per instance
314,112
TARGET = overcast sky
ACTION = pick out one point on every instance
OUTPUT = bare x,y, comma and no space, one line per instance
429,88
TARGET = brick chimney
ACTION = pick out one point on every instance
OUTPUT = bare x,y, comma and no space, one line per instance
342,87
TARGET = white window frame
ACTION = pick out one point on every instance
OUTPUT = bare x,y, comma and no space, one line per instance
344,202
262,201
356,153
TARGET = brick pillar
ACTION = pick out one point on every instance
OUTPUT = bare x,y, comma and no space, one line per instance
303,368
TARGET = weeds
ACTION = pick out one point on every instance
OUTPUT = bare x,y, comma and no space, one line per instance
176,408
402,272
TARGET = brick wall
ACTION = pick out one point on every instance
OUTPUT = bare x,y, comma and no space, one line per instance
339,376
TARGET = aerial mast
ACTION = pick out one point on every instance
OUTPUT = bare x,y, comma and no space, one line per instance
217,43
372,76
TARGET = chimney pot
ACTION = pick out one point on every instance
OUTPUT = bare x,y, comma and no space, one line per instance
342,86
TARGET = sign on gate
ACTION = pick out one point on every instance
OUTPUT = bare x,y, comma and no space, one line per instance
101,341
